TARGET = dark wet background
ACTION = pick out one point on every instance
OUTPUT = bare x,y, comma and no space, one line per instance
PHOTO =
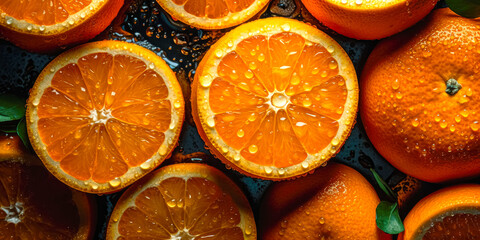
143,22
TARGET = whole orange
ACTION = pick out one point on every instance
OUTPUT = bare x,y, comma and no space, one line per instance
420,98
373,19
335,203
450,213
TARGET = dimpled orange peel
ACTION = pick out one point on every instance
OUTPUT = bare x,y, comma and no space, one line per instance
275,98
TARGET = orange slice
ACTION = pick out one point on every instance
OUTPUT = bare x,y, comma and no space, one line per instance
35,205
275,98
213,14
104,114
450,213
183,201
46,25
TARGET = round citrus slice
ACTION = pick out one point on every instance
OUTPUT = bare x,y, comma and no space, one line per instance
450,213
183,201
104,114
39,25
275,98
34,204
213,14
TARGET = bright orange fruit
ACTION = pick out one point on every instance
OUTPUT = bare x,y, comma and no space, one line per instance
183,201
369,19
450,213
47,25
35,205
213,14
336,203
104,114
420,100
275,98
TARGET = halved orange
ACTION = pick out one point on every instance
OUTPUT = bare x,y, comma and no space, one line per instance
34,204
275,98
104,114
213,14
183,201
47,25
450,213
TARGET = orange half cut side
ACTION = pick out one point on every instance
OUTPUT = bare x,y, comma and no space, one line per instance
275,98
213,14
183,201
104,114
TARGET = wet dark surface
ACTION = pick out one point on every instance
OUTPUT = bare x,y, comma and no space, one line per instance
143,22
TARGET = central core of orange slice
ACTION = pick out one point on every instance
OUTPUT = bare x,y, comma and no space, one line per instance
100,116
14,213
279,100
182,235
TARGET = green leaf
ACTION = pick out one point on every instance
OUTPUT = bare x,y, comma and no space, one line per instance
22,133
465,8
11,107
388,218
384,186
8,127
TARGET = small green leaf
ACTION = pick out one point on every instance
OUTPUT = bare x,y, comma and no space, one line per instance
465,8
388,218
11,107
22,133
384,186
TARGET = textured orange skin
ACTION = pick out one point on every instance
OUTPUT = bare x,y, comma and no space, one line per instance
337,193
78,34
466,196
406,112
369,23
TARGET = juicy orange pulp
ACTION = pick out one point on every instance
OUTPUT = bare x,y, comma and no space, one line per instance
177,204
30,205
42,12
458,226
98,115
213,8
278,98
183,201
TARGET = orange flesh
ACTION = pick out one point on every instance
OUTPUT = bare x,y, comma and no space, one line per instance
42,12
196,207
459,226
47,209
213,8
102,115
309,99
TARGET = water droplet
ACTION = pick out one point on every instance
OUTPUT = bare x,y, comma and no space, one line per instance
151,66
286,27
332,64
219,53
77,134
437,118
249,74
163,150
475,126
295,79
415,122
248,230
261,57
452,128
458,118
236,158
253,149
281,171
330,48
240,133
9,21
359,2
94,186
115,182
268,170
305,164
252,65
177,104
335,142
171,203
443,124
395,84
427,54
321,220
211,122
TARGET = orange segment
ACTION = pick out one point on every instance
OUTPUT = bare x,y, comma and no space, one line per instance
183,201
33,204
104,114
48,25
275,98
455,227
213,14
